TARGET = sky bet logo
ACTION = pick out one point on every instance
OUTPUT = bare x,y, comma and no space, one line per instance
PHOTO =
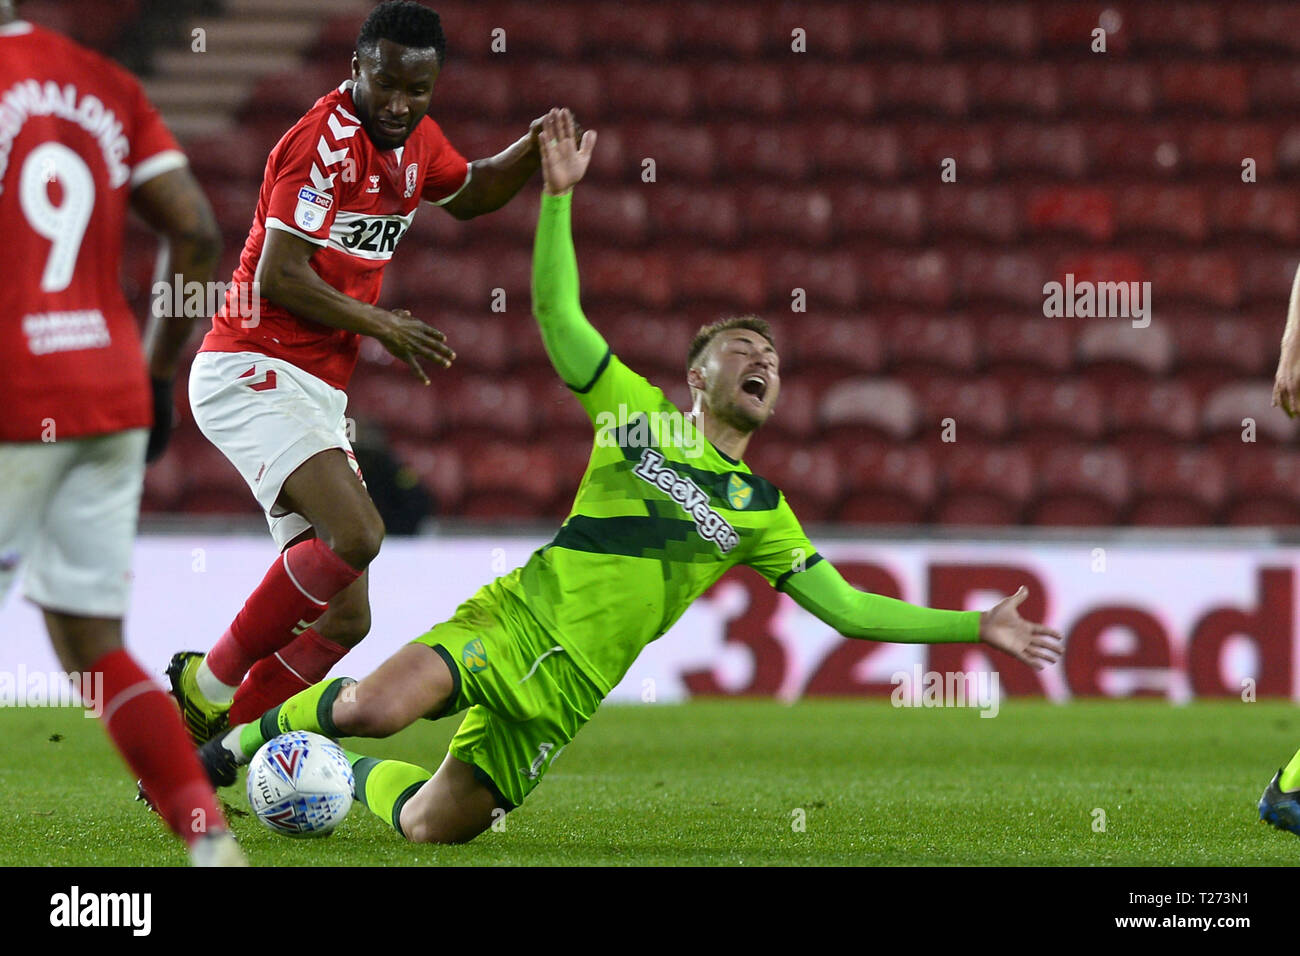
693,499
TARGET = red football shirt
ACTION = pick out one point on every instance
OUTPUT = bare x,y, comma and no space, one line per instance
77,134
326,182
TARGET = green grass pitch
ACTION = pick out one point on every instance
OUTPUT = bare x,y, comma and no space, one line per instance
728,782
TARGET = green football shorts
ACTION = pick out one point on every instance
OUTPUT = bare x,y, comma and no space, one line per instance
526,698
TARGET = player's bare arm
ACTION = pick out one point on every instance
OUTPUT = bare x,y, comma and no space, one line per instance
1286,385
285,277
174,206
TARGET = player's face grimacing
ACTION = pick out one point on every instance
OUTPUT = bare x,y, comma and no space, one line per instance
741,378
392,87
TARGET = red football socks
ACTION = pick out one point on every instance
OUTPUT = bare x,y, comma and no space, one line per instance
273,680
143,724
294,594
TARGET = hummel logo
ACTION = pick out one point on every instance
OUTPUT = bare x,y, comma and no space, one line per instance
374,185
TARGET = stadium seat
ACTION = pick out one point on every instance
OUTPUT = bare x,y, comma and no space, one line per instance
481,342
1015,88
1152,150
684,213
1267,278
852,343
887,485
1001,278
1087,212
1178,488
717,29
1016,349
912,279
681,152
1221,146
1003,29
1225,345
922,89
1262,28
487,405
1067,28
983,485
1145,414
852,149
645,340
746,88
555,409
928,145
734,280
643,29
760,151
1255,209
924,345
795,413
808,475
538,85
829,279
1159,211
831,90
508,480
800,217
1186,28
1199,87
1263,483
1056,150
902,28
648,90
1082,486
1049,412
1229,410
611,215
884,214
440,469
475,90
977,406
641,278
831,30
1090,89
1111,351
859,407
400,403
988,213
1213,278
452,279
552,30
1275,86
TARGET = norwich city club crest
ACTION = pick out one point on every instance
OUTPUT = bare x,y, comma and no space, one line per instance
474,656
739,494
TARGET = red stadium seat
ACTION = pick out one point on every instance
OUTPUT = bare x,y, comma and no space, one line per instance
851,343
887,485
926,345
922,89
440,469
851,149
1205,87
679,213
646,340
1060,150
553,30
481,342
764,151
611,215
1204,278
831,30
1178,488
1267,278
1264,485
1143,414
809,475
1226,345
795,414
556,409
538,85
974,148
1068,28
1275,86
1006,29
489,405
1184,27
1178,211
680,152
1049,411
1113,351
881,213
657,90
1017,348
797,216
1222,146
474,90
639,278
744,89
507,480
832,90
983,486
735,280
1090,89
729,29
913,279
1082,487
1257,209
1262,27
985,213
975,405
903,27
1228,409
1015,87
397,401
452,279
1016,278
644,29
829,279
856,407
1086,212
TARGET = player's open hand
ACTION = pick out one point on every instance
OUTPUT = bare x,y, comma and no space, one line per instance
1034,644
564,160
1286,384
409,339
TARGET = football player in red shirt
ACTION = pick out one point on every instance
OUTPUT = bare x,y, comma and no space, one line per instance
79,144
340,190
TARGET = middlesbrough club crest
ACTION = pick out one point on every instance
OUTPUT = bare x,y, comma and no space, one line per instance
412,171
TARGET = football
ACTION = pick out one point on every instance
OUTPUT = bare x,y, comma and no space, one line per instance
300,784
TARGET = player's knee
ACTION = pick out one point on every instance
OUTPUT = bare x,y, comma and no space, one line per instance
371,715
358,541
436,831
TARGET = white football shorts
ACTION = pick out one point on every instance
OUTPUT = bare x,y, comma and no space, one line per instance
268,417
68,515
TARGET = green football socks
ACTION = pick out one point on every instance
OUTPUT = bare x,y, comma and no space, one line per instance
1291,775
311,709
384,786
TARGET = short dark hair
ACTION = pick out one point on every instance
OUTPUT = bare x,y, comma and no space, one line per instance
706,334
405,23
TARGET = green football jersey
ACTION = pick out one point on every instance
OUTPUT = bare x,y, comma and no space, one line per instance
660,515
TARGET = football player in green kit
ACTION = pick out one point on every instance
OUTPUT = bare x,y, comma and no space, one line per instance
665,508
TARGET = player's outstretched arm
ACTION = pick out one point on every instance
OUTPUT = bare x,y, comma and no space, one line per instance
496,180
576,349
174,206
285,277
823,592
1286,385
